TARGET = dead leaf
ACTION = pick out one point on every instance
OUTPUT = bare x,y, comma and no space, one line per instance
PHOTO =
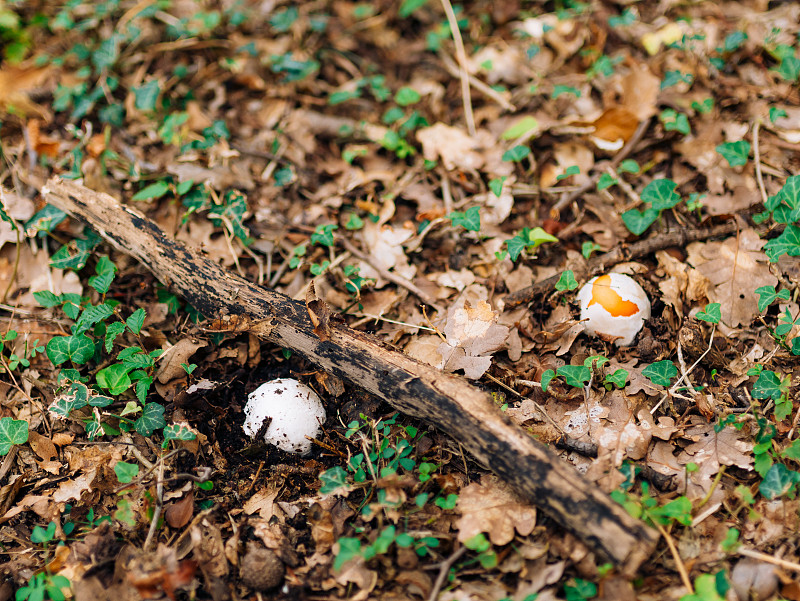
491,507
179,513
735,268
472,334
261,502
451,144
320,314
172,359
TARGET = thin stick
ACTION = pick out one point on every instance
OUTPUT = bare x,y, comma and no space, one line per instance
537,405
461,57
157,509
444,568
476,83
677,557
757,158
392,277
788,565
623,253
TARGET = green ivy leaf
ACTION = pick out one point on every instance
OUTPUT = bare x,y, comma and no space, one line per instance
587,248
126,472
178,432
788,243
637,221
660,373
547,377
675,121
152,419
323,235
789,68
537,236
333,480
735,153
768,295
114,378
606,181
628,166
712,313
349,548
516,154
12,431
679,510
406,96
145,96
78,349
470,219
76,397
619,378
566,281
496,185
571,170
706,589
515,246
354,222
575,375
778,481
768,386
776,113
661,193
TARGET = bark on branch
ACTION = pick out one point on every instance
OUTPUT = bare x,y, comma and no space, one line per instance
444,400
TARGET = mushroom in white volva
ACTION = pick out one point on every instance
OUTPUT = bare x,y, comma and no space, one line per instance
614,306
296,412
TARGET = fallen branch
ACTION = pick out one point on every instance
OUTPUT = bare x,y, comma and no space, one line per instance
621,253
444,400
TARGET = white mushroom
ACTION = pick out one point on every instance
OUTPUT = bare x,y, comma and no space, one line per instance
296,412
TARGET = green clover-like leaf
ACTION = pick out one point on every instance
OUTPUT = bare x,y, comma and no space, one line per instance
637,221
567,281
712,313
333,480
516,154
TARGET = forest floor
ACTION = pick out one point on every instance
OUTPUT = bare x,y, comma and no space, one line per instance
449,190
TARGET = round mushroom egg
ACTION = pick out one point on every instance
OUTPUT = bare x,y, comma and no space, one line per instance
614,306
296,413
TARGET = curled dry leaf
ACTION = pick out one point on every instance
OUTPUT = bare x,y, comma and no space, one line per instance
491,507
472,334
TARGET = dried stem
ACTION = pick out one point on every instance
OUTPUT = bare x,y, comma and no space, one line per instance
461,57
757,158
677,557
